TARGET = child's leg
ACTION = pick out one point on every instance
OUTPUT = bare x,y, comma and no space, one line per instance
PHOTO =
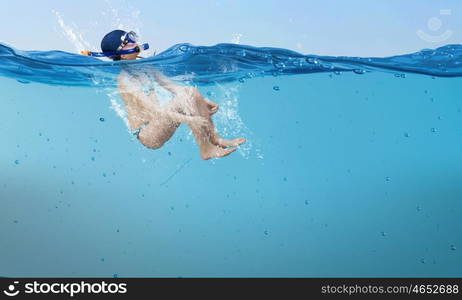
203,110
157,132
208,150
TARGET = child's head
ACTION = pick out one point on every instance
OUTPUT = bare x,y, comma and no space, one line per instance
117,42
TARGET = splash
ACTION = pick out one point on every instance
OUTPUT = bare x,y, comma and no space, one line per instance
117,15
117,106
207,65
214,66
229,120
236,38
123,16
72,34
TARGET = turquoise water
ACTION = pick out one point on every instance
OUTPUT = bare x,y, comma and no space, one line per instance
352,168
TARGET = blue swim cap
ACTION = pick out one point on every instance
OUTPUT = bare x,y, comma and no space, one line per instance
112,41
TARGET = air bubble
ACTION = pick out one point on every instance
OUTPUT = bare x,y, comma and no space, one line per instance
327,67
298,62
184,48
312,60
276,88
359,71
101,119
280,65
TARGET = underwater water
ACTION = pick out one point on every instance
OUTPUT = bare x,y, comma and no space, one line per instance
352,168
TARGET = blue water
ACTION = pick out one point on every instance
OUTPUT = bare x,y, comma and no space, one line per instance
352,167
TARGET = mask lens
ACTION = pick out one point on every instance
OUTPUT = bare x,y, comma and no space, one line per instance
132,37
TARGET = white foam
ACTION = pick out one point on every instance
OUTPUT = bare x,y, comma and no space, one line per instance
230,122
72,34
236,38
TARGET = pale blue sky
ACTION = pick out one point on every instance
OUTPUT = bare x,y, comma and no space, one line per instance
327,27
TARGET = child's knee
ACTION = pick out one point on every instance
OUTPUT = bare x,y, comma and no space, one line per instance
152,145
149,142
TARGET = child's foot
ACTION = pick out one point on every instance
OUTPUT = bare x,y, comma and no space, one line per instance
216,152
231,143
